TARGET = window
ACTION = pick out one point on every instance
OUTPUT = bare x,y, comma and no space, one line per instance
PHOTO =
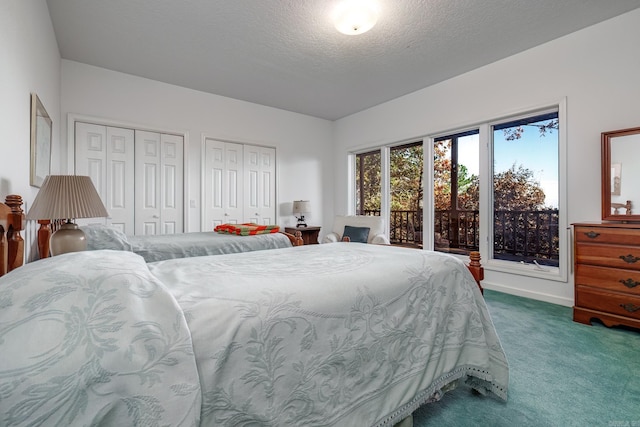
525,189
456,192
494,188
406,194
368,183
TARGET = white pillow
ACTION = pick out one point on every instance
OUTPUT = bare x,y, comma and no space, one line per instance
101,236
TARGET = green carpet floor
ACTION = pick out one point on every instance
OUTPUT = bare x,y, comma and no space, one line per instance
562,373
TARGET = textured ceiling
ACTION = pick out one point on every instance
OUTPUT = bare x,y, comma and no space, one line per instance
287,54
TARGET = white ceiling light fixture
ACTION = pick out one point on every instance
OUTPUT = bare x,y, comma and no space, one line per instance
354,17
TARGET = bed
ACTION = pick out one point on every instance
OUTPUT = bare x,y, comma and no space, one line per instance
341,334
182,245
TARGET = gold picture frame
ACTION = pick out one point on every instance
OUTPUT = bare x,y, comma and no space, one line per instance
41,131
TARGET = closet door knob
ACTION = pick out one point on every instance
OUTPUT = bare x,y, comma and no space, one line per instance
156,216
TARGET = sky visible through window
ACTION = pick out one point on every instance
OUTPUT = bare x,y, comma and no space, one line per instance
533,151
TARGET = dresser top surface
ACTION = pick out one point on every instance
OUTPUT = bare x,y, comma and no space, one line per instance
631,225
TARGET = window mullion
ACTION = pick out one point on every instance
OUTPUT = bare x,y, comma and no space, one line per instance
385,184
486,192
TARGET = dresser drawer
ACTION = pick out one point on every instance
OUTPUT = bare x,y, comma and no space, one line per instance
615,256
614,279
610,302
618,236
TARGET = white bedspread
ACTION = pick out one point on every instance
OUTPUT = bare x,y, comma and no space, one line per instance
185,245
344,334
158,247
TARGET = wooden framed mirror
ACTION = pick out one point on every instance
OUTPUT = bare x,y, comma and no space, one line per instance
621,175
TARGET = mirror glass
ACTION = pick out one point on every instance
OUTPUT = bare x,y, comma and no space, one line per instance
41,131
620,175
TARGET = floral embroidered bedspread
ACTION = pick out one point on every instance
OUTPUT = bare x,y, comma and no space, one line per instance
338,334
158,247
92,338
184,245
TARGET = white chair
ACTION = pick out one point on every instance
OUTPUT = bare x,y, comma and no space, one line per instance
374,223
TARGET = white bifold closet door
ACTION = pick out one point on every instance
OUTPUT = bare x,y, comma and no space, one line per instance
138,174
259,184
159,183
239,184
106,154
223,184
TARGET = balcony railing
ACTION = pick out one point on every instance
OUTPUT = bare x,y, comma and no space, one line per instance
518,235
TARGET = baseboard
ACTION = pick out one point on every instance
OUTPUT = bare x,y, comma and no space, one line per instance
553,299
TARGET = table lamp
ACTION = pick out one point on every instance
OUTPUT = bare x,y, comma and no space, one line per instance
300,207
67,197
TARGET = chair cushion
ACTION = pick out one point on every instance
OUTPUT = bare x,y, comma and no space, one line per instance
356,234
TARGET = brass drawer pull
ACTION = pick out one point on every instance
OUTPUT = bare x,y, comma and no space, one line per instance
629,259
629,283
630,307
592,234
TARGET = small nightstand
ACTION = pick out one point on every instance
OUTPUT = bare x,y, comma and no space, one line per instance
309,234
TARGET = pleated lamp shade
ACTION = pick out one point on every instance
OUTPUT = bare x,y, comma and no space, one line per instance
67,197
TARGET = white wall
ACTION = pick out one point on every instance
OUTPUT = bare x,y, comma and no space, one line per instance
29,63
303,143
596,69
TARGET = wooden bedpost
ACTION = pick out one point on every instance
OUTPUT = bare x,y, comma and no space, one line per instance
44,234
3,249
476,269
295,239
15,243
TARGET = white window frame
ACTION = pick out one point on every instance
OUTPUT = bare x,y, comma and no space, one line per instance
559,273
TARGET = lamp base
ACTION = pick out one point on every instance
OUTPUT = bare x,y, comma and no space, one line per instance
68,238
301,222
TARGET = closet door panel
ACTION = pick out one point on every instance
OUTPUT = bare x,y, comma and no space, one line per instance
148,184
106,155
259,189
222,183
232,196
120,177
91,154
172,184
214,183
268,185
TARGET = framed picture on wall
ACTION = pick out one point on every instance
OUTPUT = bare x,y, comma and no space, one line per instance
41,131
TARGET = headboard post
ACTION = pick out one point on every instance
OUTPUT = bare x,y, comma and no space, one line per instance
44,235
15,243
3,250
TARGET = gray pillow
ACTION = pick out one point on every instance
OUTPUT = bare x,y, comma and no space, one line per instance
356,234
101,236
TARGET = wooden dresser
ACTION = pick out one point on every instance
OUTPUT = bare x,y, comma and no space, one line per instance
607,273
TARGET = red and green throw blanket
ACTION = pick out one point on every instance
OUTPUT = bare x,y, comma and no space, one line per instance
246,229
